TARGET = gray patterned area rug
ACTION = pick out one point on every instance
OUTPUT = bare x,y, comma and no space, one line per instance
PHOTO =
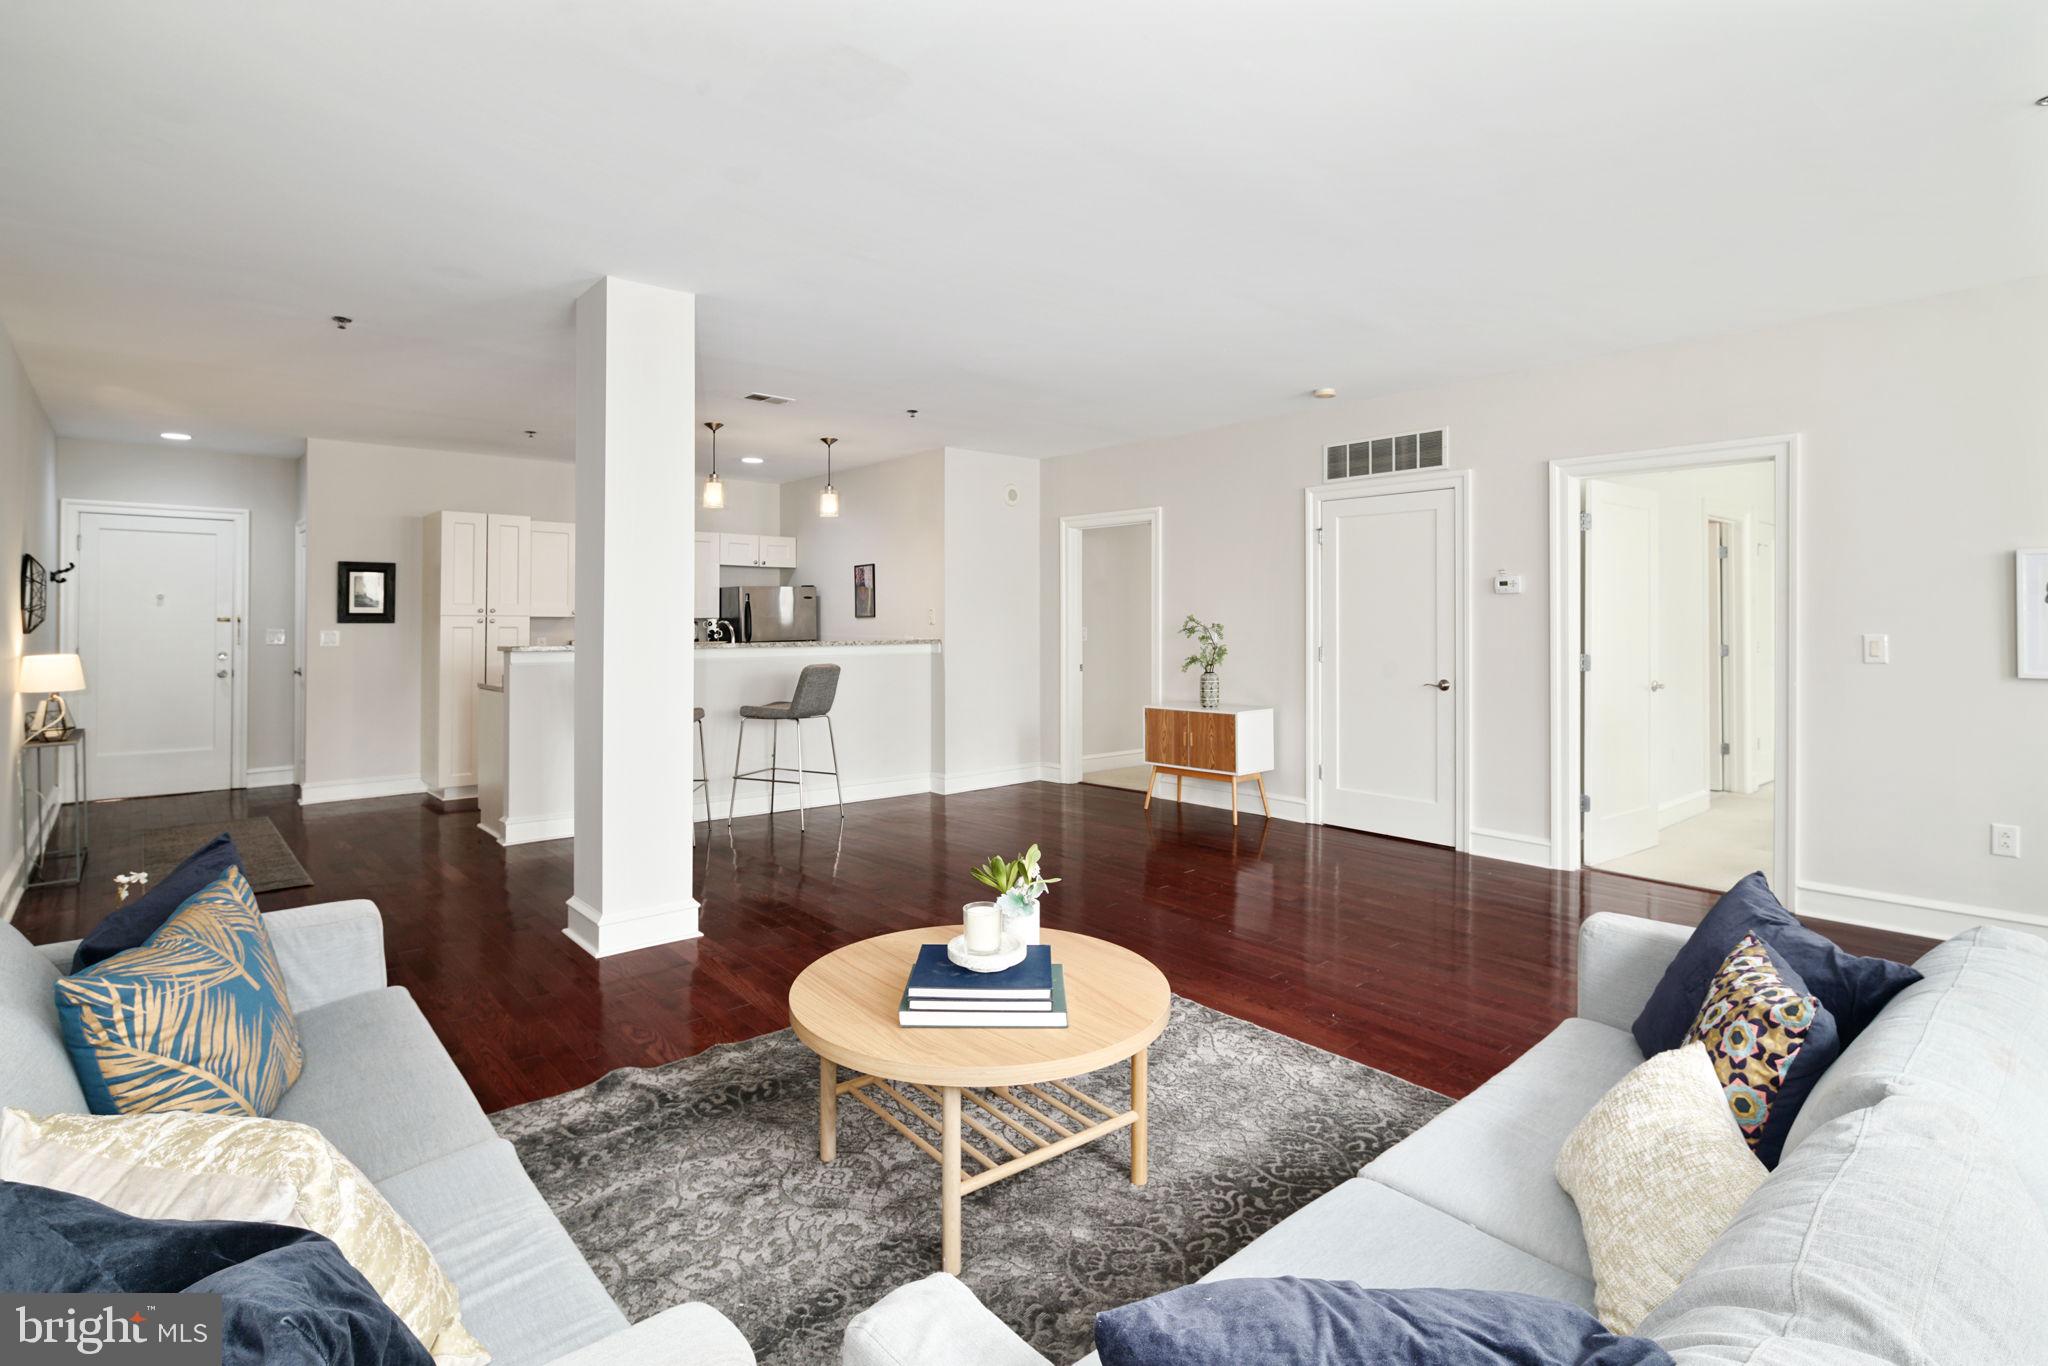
700,1180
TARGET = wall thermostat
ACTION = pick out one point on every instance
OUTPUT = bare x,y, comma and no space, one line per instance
1505,582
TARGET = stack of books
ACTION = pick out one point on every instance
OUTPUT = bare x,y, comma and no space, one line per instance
941,994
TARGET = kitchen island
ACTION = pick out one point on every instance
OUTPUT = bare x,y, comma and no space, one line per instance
884,720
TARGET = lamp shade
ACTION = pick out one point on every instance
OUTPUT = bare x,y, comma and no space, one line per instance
52,673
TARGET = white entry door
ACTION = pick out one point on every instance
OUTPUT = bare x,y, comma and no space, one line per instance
1388,733
1763,652
156,631
1620,644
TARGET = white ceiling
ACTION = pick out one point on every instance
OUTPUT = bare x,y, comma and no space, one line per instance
1049,227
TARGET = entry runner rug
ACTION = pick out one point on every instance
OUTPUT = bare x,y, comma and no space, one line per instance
267,861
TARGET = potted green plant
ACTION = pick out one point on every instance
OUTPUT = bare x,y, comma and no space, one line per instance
1018,884
1209,652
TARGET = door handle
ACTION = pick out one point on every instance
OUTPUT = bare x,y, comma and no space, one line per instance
1441,685
220,673
1655,686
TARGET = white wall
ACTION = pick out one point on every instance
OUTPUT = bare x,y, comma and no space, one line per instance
28,524
892,516
992,673
751,505
1116,653
366,502
1925,463
267,487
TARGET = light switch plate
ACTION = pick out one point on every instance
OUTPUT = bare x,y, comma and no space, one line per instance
273,635
330,637
1505,582
1877,649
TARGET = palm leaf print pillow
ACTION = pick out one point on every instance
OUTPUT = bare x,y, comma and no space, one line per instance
194,1019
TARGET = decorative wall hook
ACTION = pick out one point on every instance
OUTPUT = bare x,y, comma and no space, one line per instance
58,575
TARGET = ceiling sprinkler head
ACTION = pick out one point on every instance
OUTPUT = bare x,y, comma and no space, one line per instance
529,433
911,411
341,323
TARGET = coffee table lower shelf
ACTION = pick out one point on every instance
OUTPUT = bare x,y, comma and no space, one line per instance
1068,1117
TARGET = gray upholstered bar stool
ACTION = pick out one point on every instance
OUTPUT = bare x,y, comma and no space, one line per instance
816,686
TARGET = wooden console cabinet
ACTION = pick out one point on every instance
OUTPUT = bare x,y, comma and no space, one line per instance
1223,744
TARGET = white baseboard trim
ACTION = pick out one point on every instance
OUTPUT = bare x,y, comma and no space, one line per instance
278,775
1681,808
1215,793
533,829
1907,914
601,936
14,882
1510,848
947,784
1121,758
356,789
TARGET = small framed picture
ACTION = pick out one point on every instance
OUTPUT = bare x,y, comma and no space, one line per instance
2030,578
863,590
365,591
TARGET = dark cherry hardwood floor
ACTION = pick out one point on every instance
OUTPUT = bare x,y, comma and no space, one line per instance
1432,965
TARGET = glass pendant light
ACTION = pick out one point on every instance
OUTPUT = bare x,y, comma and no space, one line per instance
714,492
828,500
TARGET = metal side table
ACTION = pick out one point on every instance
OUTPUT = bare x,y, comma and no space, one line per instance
32,802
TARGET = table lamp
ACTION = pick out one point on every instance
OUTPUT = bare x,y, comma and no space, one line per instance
54,674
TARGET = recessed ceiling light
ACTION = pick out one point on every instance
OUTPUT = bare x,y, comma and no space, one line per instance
750,460
175,436
1323,393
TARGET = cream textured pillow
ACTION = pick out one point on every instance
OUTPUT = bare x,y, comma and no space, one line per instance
175,1165
1658,1169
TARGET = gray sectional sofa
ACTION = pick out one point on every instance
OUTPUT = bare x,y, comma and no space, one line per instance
1906,1222
382,1089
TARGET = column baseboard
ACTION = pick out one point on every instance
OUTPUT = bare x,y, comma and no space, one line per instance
601,935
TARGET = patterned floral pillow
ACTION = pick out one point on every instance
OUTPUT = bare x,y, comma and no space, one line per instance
1769,1039
195,1018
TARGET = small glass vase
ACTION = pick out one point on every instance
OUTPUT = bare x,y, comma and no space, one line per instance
1212,689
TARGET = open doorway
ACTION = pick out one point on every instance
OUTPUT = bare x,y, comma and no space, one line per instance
1110,645
1674,569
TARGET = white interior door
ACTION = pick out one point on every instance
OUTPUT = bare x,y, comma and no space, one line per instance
1388,730
1763,648
299,653
156,631
1720,660
1620,641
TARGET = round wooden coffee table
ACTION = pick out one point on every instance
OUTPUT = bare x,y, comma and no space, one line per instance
1023,1110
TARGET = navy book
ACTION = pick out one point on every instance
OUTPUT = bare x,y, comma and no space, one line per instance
937,975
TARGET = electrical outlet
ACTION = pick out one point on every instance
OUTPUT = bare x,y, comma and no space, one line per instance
330,637
2005,841
273,635
1877,649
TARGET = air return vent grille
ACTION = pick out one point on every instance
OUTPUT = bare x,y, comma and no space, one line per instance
1385,455
768,398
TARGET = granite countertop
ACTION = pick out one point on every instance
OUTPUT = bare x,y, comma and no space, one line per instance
538,649
811,644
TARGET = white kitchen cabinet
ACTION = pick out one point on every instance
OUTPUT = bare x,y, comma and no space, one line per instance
508,573
704,576
778,552
736,549
457,549
453,668
500,632
552,551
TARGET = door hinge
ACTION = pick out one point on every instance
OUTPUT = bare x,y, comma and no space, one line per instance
1724,652
1585,664
1319,772
1585,803
1319,654
1319,535
1720,552
1724,748
1585,521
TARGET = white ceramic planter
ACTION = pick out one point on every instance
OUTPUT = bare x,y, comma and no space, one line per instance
1022,928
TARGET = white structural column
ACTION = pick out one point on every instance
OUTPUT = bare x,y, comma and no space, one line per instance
636,409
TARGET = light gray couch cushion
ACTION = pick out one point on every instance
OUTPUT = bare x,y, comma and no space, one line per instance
1366,1232
1973,1030
380,1086
1893,1232
35,1069
935,1319
527,1293
1490,1160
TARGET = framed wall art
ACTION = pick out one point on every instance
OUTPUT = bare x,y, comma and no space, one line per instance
863,590
2030,578
365,591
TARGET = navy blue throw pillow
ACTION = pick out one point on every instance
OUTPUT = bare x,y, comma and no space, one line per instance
139,919
1853,989
1288,1321
288,1296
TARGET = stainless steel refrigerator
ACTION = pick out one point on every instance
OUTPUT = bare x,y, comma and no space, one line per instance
771,613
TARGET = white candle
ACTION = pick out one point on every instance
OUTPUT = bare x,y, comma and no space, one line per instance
984,927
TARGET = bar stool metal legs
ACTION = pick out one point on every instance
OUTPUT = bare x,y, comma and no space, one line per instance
775,775
704,765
